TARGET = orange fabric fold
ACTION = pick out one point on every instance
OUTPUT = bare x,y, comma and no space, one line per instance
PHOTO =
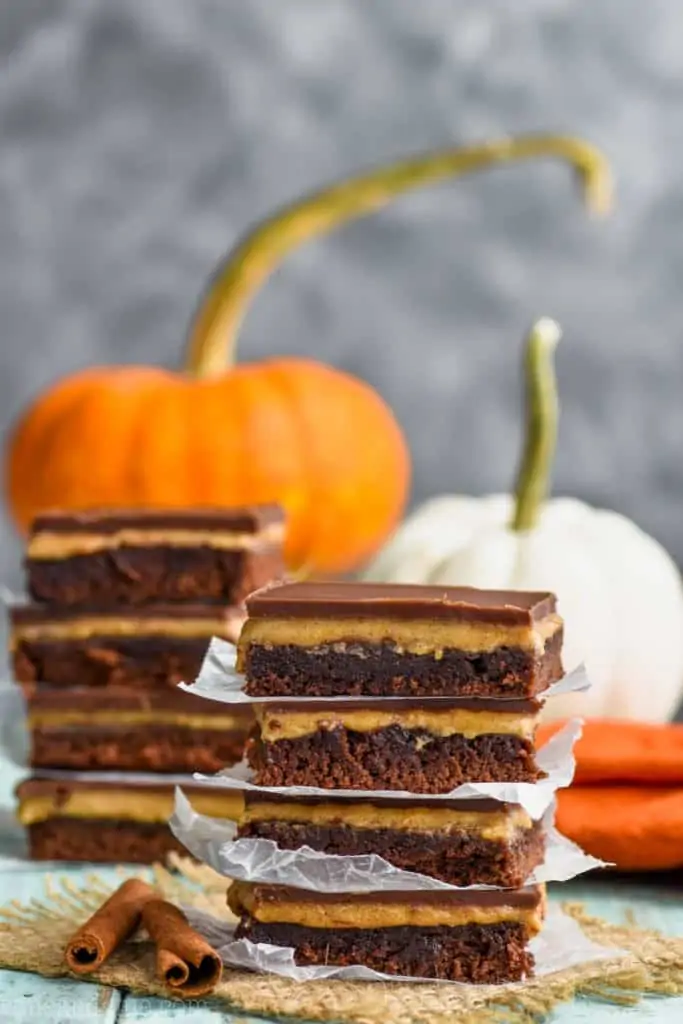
626,802
615,751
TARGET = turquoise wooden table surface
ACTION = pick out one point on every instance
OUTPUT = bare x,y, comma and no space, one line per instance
29,999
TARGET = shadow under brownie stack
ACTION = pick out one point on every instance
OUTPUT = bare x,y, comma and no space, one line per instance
122,607
413,691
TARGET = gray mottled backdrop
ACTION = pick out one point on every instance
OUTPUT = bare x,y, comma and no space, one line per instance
139,138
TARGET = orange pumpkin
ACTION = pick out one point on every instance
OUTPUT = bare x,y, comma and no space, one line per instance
318,441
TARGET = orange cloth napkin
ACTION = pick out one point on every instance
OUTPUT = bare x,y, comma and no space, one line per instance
626,802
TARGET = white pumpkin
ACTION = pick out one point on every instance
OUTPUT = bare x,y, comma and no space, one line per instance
618,590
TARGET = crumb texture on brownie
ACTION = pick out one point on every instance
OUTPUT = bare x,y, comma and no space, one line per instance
384,669
41,799
157,749
392,759
135,662
476,954
102,841
138,575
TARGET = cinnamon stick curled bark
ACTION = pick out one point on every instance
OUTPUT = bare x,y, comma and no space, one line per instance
186,962
108,927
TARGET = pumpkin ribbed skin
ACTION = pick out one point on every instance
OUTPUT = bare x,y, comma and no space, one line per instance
317,440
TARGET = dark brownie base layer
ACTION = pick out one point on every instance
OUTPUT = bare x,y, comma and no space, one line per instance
162,749
456,858
138,662
102,841
391,758
131,575
379,670
478,954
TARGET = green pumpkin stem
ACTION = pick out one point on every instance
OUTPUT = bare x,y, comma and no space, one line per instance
213,332
542,417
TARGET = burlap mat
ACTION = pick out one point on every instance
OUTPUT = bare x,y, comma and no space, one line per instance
33,936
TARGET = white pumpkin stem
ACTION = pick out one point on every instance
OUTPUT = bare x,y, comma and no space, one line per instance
542,417
213,332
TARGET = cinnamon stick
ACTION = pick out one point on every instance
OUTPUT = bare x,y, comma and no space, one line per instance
108,927
186,963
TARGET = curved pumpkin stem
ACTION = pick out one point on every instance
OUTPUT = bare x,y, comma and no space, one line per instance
542,416
213,332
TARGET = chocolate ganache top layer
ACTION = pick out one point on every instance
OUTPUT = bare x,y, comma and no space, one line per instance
499,705
34,613
529,897
243,519
480,805
60,789
399,601
42,697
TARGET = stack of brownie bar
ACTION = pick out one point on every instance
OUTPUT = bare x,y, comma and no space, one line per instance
425,689
122,607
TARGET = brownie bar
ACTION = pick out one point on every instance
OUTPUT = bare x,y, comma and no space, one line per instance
459,858
157,646
361,639
456,935
109,821
137,557
163,731
462,842
406,744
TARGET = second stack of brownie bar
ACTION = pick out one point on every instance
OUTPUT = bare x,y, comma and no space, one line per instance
122,606
435,687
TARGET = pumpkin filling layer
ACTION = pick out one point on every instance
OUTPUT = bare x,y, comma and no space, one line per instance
87,626
43,799
290,723
405,636
48,545
498,826
136,719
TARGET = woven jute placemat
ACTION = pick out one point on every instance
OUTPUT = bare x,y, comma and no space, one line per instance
33,937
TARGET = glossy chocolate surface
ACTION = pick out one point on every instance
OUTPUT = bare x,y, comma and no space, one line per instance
59,789
52,698
478,806
399,601
528,897
499,705
243,519
36,613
